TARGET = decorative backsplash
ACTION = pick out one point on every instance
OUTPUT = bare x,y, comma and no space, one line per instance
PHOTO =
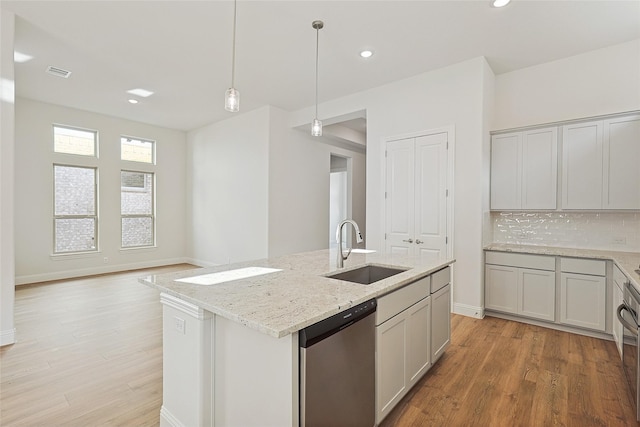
613,231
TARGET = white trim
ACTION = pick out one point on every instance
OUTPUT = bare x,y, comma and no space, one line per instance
167,419
184,306
8,337
92,271
202,263
468,310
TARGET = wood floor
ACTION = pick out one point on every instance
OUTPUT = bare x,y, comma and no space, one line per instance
90,354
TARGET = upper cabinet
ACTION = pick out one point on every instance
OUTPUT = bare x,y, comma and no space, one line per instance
600,164
524,170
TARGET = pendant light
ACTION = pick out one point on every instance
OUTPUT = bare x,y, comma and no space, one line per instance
316,126
232,96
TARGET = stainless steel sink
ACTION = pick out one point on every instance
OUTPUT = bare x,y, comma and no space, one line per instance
366,275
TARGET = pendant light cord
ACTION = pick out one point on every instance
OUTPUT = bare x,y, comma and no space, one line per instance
233,54
317,44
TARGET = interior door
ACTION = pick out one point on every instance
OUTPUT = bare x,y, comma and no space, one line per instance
416,196
430,196
399,209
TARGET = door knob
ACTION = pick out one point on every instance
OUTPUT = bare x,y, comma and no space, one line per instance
418,241
408,240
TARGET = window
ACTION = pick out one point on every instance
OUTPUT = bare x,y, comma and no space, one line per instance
137,150
75,220
74,141
137,209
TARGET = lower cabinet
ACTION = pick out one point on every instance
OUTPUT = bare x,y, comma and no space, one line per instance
512,288
617,330
403,343
440,322
583,293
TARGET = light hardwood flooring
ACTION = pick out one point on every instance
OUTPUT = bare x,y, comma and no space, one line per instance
90,354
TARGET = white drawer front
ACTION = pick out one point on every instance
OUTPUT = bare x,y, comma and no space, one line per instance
440,279
401,299
583,266
536,262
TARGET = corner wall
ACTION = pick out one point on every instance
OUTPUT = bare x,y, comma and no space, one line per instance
7,144
34,199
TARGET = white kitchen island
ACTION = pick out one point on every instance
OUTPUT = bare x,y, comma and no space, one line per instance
230,346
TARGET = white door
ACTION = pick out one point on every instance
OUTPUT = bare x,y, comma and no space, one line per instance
621,160
582,166
400,209
416,196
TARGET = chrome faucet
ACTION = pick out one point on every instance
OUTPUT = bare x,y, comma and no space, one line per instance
341,256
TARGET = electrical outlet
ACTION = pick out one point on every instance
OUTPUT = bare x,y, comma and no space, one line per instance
619,240
106,260
179,324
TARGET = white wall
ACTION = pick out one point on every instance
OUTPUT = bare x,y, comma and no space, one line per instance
7,112
595,83
34,200
299,168
260,188
228,183
441,98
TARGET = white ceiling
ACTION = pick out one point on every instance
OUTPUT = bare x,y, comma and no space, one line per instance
181,50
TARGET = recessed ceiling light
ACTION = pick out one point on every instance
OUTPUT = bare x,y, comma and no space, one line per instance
366,54
133,101
499,3
140,92
21,57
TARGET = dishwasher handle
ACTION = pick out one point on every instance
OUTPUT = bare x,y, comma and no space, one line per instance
625,322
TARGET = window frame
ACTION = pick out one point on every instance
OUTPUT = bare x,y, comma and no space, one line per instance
135,138
94,217
96,144
152,215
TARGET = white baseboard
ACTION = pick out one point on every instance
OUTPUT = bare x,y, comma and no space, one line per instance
468,310
69,274
8,337
201,263
167,419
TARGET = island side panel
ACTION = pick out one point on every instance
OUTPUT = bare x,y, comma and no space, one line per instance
187,365
256,377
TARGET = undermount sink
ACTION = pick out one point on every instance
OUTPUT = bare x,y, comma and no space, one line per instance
366,275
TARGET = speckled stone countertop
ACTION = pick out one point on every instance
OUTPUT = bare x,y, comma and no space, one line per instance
299,295
628,262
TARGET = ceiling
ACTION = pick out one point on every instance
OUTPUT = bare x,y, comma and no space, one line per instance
181,50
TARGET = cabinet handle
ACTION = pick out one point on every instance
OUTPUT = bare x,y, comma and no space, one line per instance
418,241
408,240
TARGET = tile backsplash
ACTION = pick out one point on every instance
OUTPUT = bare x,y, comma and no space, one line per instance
613,231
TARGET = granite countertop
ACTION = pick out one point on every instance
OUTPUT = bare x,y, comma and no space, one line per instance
298,295
628,262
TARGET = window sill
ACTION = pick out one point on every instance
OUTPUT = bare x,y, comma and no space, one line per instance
139,249
73,255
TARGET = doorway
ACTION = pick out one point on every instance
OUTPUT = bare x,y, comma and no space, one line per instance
339,197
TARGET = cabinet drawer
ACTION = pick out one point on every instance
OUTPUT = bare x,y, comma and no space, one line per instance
583,266
440,279
536,262
401,299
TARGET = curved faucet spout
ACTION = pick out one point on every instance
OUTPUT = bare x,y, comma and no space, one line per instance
356,229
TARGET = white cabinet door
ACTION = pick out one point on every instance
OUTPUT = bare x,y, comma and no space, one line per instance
416,198
582,156
505,171
391,369
501,288
524,170
537,294
621,163
617,329
582,300
418,340
440,322
539,168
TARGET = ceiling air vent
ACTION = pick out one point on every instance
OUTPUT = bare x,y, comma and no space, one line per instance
58,72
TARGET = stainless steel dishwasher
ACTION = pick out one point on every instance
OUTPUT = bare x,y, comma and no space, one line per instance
337,369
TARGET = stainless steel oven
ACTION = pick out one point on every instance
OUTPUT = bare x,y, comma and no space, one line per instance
628,316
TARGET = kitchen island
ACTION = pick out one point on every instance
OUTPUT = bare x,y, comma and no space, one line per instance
230,333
